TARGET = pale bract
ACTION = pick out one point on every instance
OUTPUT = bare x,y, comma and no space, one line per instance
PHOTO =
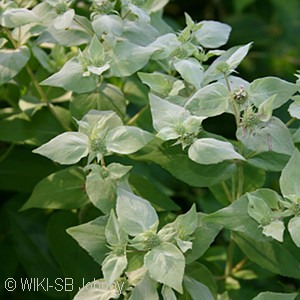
100,133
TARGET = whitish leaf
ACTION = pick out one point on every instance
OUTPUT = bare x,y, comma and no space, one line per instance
12,62
294,108
212,100
190,70
146,289
294,229
231,59
98,123
271,136
211,151
129,58
168,293
187,223
16,17
106,97
127,139
97,290
64,20
108,24
275,230
101,185
135,214
70,78
265,109
158,82
275,296
171,120
113,267
155,5
165,264
262,89
290,177
67,148
212,34
258,209
196,289
114,233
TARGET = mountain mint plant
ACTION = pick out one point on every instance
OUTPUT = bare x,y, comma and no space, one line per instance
124,100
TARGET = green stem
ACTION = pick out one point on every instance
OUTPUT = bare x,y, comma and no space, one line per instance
291,121
7,152
37,86
88,30
227,192
136,116
230,255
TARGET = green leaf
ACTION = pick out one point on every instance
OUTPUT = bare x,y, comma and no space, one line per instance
275,296
75,263
101,185
114,234
91,237
12,62
202,238
39,129
146,289
127,139
60,190
147,189
190,70
106,97
135,214
70,78
294,226
270,255
290,177
113,267
211,151
67,148
196,289
211,100
34,169
16,17
99,290
235,217
263,88
28,231
271,136
174,160
165,264
212,34
203,275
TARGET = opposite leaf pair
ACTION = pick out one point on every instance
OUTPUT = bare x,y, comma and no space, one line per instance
100,133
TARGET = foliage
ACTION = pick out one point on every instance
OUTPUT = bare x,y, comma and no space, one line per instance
115,92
